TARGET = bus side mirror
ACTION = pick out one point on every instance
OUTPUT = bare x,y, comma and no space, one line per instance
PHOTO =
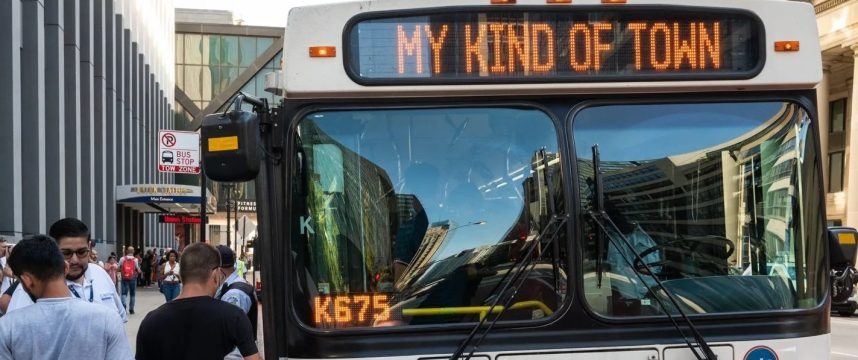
230,143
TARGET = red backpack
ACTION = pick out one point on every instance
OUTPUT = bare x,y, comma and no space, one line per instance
128,269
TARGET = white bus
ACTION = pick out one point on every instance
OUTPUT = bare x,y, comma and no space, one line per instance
539,179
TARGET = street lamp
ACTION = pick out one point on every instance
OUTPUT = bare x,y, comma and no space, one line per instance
473,223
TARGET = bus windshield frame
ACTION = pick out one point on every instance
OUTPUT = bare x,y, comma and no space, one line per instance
561,110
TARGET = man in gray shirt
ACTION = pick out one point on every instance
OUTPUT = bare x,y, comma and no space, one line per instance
57,326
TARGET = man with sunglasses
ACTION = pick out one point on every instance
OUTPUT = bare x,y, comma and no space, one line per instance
89,283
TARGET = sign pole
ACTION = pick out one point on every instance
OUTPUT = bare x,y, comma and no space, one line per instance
202,200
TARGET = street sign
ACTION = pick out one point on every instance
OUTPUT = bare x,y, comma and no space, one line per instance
178,152
178,219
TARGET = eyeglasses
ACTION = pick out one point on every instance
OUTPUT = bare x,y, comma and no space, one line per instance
81,253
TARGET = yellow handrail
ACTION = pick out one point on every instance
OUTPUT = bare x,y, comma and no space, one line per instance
481,310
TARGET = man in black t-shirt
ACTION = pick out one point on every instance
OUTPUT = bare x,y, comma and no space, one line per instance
195,325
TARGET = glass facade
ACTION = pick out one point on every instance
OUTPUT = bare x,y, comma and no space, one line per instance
207,63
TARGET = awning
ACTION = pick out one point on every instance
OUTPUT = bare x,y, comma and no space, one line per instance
164,198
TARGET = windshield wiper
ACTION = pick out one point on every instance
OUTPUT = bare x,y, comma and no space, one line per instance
599,207
549,234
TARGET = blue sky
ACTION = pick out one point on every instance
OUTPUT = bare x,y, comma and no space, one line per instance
645,132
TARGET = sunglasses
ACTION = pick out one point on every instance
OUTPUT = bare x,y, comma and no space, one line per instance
81,253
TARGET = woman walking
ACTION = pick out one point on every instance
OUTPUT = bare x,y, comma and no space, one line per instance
112,268
171,280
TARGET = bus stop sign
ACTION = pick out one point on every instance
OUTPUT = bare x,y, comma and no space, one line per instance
178,152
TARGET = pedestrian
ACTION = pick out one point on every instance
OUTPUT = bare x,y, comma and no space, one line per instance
153,264
171,282
6,297
5,272
129,267
112,267
93,258
240,266
139,258
147,268
57,326
90,283
236,291
196,325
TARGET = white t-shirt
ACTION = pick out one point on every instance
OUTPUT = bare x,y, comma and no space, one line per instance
97,288
174,268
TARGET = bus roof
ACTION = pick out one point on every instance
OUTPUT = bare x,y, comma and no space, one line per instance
324,25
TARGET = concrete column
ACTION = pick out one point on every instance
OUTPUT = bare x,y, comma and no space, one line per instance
55,172
134,124
10,116
33,116
99,164
127,94
140,104
71,61
87,116
110,119
852,181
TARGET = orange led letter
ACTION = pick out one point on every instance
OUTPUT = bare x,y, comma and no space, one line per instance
535,30
437,44
364,302
637,27
342,311
518,47
381,307
712,44
322,303
653,50
598,45
473,48
683,49
573,47
411,48
498,66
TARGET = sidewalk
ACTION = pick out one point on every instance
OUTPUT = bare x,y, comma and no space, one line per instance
149,299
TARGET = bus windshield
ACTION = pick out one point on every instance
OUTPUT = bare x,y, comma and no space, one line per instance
719,200
412,216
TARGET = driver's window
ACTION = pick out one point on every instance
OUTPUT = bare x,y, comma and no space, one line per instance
705,198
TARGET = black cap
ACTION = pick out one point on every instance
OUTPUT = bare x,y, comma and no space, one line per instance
227,256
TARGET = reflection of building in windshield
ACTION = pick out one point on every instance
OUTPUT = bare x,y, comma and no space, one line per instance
743,190
346,250
429,246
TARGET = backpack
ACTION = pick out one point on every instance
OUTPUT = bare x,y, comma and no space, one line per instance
250,291
128,269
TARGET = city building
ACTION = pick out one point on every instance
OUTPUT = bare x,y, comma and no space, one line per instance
217,57
838,36
84,87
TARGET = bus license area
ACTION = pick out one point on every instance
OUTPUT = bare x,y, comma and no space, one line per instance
351,310
537,48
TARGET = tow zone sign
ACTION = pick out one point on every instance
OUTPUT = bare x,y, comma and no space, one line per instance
178,152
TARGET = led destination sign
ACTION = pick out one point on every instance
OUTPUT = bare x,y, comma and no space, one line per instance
553,46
